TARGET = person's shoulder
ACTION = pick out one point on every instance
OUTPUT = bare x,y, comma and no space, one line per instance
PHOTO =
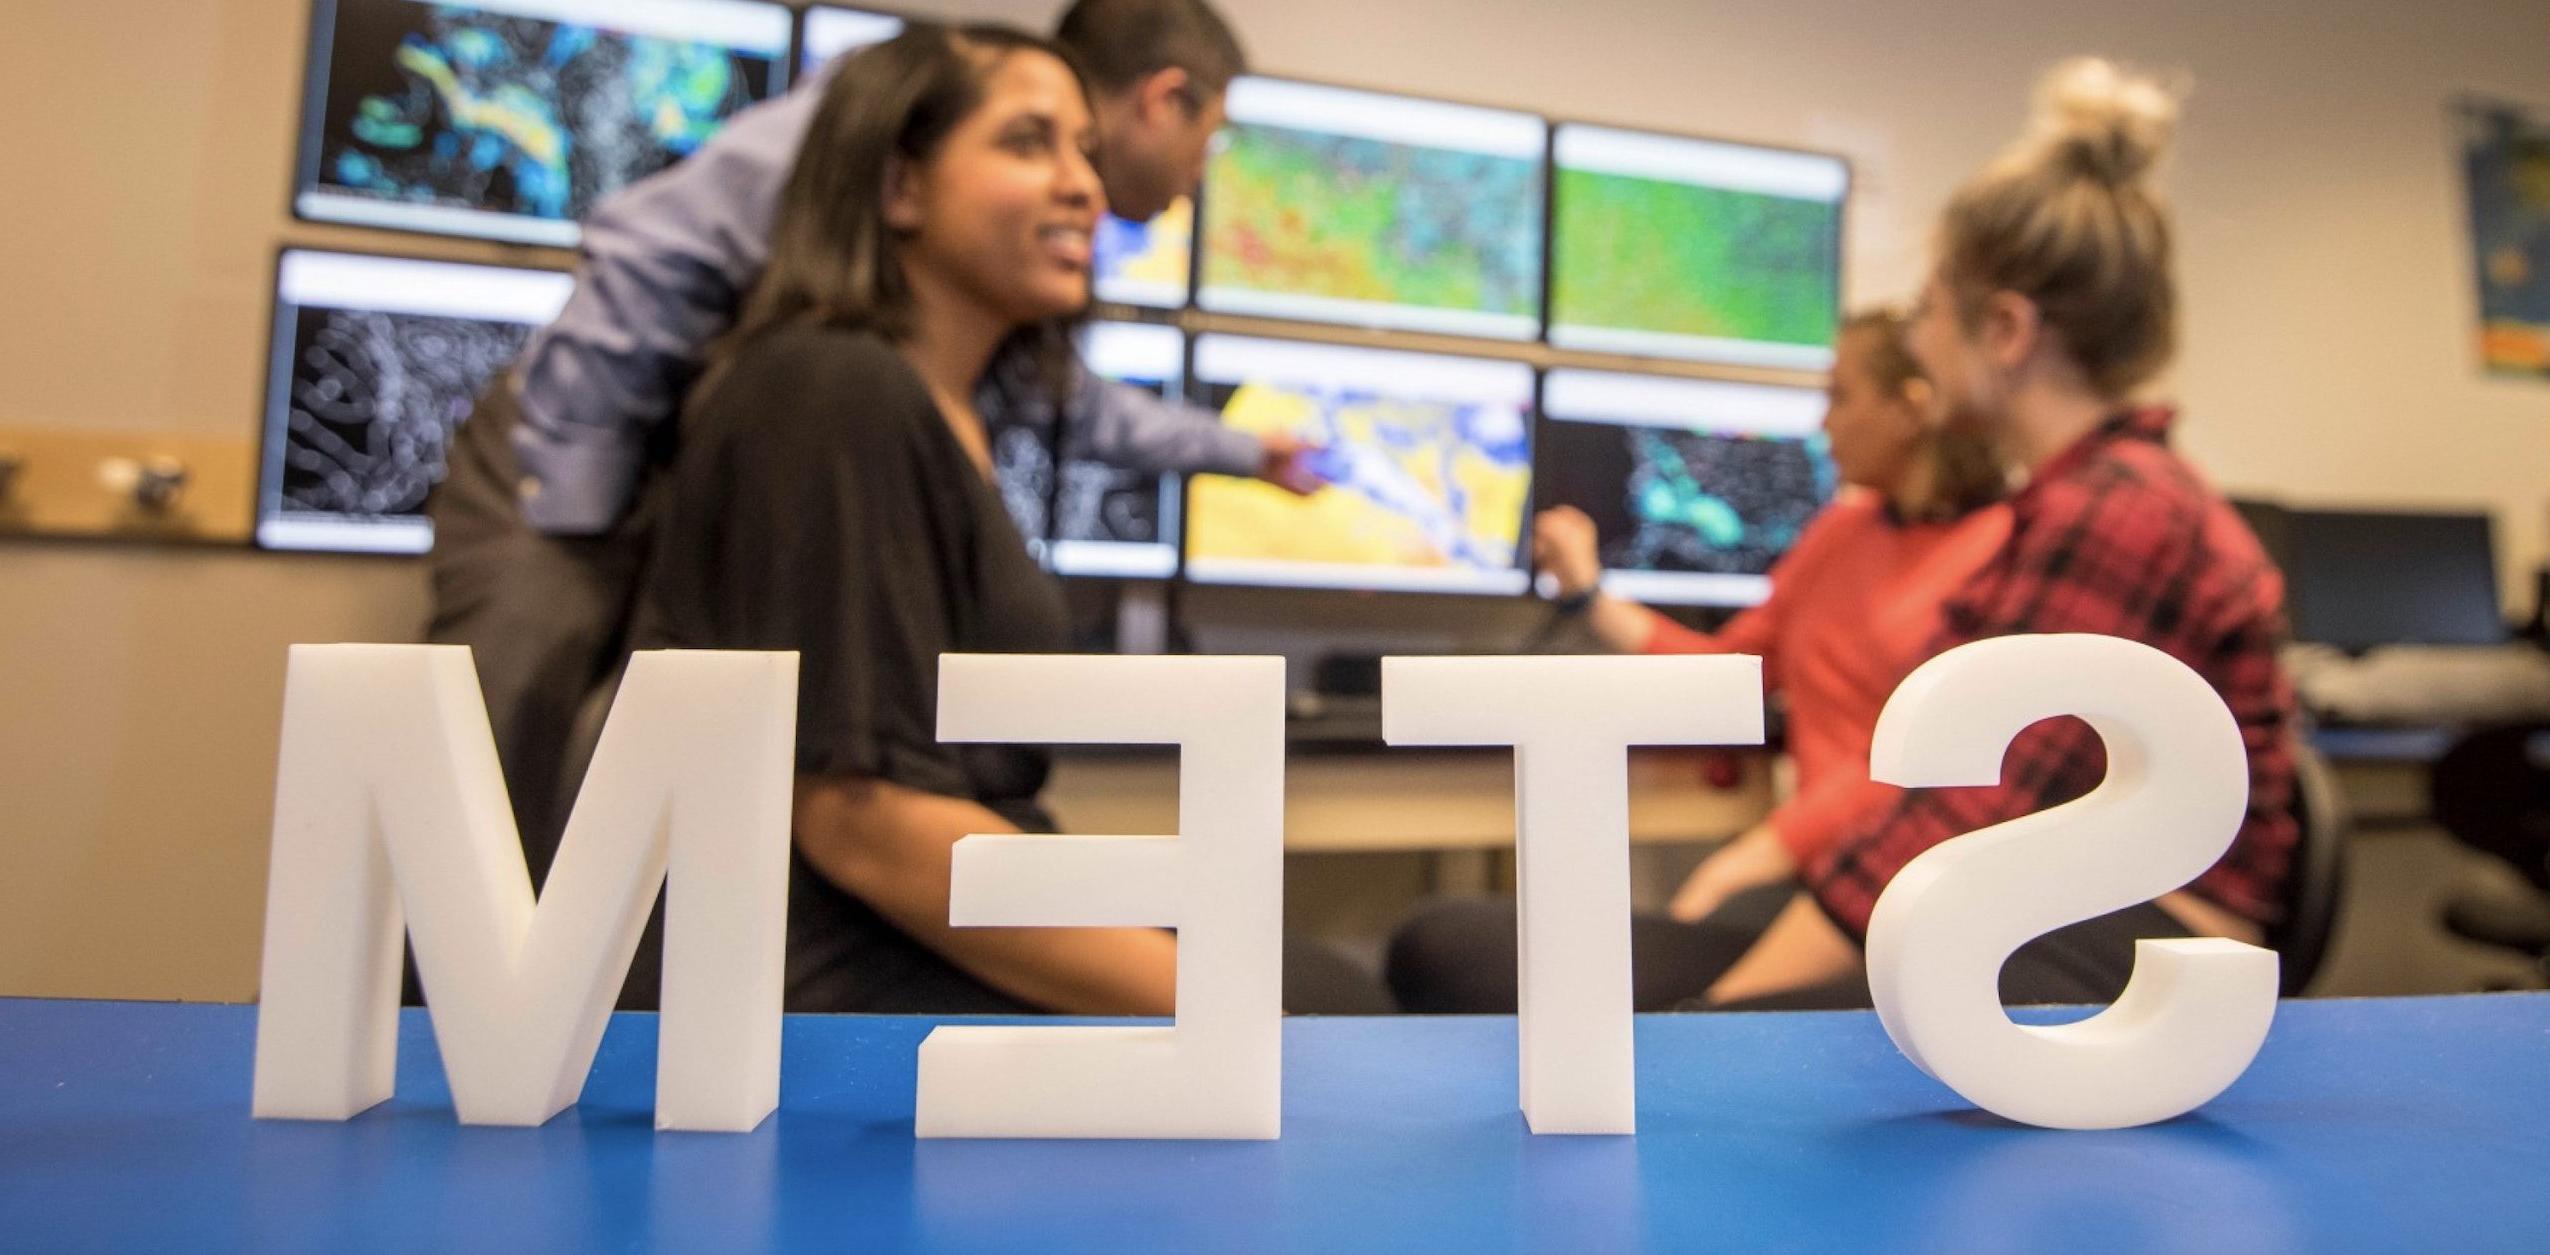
808,366
1852,506
1853,513
1852,509
2133,501
1986,526
2119,473
1977,533
2133,456
811,352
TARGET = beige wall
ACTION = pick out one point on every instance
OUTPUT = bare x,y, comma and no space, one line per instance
137,747
2325,268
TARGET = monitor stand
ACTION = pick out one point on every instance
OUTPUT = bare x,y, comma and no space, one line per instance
1145,618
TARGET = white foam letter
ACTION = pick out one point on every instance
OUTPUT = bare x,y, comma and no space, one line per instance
389,807
1220,882
1571,722
2196,1010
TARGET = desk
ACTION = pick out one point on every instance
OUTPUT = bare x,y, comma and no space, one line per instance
1407,799
2379,1125
2382,772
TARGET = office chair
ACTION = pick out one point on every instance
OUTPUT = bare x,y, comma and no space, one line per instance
2315,883
2491,791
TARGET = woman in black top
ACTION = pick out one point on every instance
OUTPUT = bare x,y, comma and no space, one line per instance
833,496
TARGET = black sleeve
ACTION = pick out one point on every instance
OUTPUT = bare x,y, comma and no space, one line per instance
809,510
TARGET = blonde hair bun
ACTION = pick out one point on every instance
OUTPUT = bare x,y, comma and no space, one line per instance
2104,121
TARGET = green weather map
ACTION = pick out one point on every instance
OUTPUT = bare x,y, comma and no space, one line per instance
1307,214
1650,255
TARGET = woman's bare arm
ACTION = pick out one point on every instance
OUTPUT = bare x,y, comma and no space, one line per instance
889,846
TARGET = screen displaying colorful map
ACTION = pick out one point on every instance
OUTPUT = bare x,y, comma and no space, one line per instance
1428,458
1690,248
1146,263
1695,488
509,118
1374,210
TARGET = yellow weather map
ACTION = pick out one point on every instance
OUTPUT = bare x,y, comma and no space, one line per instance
1146,262
1412,483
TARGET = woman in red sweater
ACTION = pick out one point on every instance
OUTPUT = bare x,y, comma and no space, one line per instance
1851,607
2050,305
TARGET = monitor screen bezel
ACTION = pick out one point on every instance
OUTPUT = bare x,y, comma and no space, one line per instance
1185,300
1355,577
1729,591
1670,346
1378,316
2305,582
304,192
1134,561
389,538
801,69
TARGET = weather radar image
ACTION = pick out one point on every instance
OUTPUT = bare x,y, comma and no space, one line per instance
509,119
1695,487
376,362
1428,458
1373,210
1146,263
1673,247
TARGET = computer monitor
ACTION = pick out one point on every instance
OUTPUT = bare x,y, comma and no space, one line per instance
1695,486
2268,522
1375,210
1670,247
1429,458
1116,522
826,31
2358,579
1146,263
508,119
374,362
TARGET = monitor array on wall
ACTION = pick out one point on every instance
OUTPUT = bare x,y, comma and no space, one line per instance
508,120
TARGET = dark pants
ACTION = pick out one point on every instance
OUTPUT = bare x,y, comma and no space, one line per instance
2491,791
545,617
1458,956
1318,980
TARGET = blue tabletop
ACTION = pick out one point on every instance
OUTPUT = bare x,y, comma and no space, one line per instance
2409,1124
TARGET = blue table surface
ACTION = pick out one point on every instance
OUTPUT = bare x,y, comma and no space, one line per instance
2392,1125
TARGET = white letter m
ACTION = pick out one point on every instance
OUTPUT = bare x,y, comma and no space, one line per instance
390,811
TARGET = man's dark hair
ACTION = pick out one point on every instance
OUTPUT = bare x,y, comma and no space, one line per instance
1121,42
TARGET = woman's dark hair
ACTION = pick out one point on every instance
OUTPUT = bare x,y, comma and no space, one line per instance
833,258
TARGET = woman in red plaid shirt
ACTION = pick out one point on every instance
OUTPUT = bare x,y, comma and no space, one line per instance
2051,303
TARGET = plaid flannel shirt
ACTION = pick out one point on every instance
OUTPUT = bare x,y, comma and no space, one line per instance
2115,536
